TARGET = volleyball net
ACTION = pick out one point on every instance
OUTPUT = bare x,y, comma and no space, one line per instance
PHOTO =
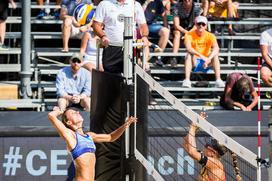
166,159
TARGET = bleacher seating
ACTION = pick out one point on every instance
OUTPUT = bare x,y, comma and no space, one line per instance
47,59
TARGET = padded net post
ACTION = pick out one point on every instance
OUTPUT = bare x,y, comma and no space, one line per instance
107,114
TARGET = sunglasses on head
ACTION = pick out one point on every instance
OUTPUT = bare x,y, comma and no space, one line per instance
201,24
76,60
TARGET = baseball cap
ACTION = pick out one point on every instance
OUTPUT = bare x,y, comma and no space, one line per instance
201,19
78,56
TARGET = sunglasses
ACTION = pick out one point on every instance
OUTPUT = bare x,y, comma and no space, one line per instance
76,60
201,24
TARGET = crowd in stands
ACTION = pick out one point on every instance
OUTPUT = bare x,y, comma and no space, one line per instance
189,27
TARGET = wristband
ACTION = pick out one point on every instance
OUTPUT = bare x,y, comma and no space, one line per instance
145,36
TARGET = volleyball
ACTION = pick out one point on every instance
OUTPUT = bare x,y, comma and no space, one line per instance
84,13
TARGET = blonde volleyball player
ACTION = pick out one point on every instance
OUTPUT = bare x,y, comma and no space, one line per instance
210,158
81,145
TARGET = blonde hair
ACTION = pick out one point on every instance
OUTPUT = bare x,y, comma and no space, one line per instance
235,166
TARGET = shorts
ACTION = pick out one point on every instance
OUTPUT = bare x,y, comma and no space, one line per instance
89,59
3,10
112,59
199,66
75,32
154,29
266,65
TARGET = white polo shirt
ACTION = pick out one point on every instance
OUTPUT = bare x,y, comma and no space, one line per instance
266,39
109,12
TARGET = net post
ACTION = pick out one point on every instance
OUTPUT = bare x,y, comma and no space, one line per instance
128,66
270,144
259,122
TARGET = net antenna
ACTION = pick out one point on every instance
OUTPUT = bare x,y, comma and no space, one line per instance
214,132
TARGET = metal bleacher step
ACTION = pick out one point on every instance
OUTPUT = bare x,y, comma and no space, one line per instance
22,103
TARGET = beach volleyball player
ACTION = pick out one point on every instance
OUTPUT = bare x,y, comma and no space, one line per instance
81,145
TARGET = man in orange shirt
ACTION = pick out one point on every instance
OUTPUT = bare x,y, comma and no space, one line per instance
202,52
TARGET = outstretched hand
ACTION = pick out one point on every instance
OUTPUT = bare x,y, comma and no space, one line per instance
203,115
57,110
130,120
194,125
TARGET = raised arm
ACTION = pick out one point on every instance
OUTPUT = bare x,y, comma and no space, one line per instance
190,143
113,135
60,127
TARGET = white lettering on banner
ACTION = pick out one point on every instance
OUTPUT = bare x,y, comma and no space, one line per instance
55,162
181,165
29,162
162,169
166,163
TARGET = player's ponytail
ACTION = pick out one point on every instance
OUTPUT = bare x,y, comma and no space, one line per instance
235,166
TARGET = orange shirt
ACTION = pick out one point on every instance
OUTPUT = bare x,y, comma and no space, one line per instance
202,44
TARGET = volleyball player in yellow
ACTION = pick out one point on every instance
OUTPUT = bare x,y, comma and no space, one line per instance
202,52
210,158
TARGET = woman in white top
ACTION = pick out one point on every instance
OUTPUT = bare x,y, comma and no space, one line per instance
88,48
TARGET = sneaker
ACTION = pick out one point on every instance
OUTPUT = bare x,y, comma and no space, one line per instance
187,83
159,62
219,83
174,62
268,95
3,47
41,14
55,14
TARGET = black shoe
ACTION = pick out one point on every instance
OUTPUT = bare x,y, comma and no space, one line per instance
41,14
173,62
159,62
55,15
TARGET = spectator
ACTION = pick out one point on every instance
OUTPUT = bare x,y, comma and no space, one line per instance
74,84
184,12
153,9
266,50
70,27
239,91
108,15
221,9
42,12
202,52
3,17
89,50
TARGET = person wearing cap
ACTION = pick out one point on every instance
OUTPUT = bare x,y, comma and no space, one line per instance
109,26
201,44
239,91
209,159
73,84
